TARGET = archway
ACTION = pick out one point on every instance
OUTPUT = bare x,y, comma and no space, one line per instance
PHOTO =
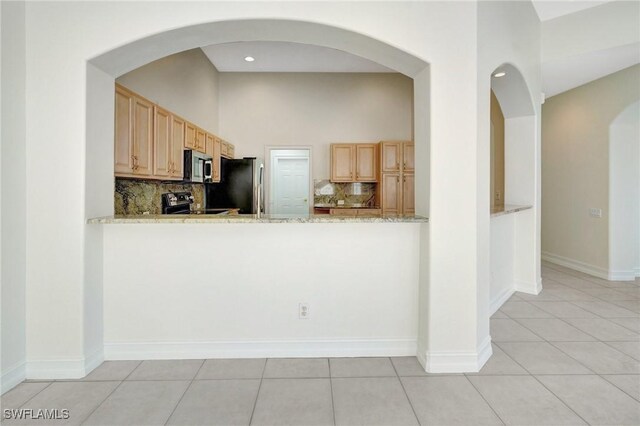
102,70
515,227
624,194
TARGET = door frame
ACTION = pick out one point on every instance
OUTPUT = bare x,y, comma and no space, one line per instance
268,176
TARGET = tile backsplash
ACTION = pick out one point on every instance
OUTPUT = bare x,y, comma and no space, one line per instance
327,192
135,196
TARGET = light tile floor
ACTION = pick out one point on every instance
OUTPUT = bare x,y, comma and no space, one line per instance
570,355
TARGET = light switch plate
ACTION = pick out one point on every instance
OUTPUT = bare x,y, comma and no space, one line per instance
594,212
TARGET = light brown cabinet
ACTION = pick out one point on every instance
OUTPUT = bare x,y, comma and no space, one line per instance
162,143
397,188
190,136
355,212
408,194
354,162
133,148
217,150
150,140
391,193
201,140
227,150
178,126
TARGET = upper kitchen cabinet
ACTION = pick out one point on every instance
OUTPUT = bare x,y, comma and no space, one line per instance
366,162
134,118
354,162
190,136
178,127
408,157
227,150
201,140
343,162
397,164
391,156
217,150
162,143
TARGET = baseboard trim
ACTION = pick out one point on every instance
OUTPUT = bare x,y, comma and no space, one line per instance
458,362
587,268
63,368
259,349
500,299
93,361
528,287
13,377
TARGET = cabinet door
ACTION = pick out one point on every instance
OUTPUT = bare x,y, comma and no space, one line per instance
201,140
342,162
123,158
162,143
216,159
178,126
224,148
231,151
408,194
190,136
391,193
366,162
208,148
408,157
391,153
142,137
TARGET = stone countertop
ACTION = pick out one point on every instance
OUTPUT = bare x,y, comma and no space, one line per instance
507,209
344,206
249,218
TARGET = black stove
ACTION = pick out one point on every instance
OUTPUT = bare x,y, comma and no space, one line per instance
177,203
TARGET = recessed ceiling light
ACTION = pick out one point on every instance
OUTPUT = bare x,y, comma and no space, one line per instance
500,74
249,58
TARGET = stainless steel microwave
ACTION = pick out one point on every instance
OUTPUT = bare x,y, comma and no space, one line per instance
198,166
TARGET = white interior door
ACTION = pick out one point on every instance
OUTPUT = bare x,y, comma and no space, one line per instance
291,185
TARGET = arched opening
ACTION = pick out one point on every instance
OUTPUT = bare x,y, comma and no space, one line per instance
514,226
624,194
102,71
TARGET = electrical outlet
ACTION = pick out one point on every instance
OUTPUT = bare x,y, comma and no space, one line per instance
303,310
341,202
593,212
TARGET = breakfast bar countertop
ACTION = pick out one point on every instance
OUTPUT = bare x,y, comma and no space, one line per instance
250,218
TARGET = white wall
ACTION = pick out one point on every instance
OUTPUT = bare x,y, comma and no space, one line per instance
243,300
67,34
13,194
503,252
576,170
185,83
508,36
315,109
624,193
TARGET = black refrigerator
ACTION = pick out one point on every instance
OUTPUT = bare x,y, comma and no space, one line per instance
240,187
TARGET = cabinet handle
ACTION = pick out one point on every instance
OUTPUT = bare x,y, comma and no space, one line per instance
397,179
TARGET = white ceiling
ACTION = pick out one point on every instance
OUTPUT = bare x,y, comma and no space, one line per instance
549,9
573,71
272,56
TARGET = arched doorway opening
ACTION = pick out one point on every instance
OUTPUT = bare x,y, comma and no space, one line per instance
515,228
102,71
624,194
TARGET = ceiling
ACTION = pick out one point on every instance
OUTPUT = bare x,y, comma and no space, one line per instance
273,56
549,9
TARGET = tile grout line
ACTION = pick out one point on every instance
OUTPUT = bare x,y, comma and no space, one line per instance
485,400
578,341
560,399
110,393
333,405
185,392
637,398
404,390
255,402
34,395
